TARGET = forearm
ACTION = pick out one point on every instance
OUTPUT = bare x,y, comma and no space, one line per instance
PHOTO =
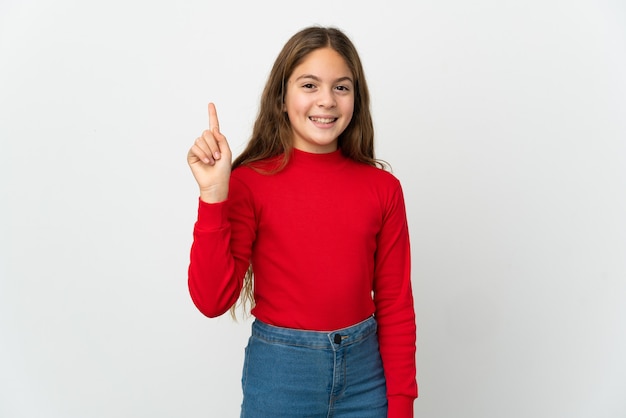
215,276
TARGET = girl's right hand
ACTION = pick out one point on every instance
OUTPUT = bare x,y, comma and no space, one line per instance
210,160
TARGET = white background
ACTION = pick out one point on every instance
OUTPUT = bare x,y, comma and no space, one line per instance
504,120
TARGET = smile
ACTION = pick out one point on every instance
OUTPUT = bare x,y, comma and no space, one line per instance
323,120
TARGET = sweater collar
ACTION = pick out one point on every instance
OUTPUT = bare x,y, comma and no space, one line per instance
308,158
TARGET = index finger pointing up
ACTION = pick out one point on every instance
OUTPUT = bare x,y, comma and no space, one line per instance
213,122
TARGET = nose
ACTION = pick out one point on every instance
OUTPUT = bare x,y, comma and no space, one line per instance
326,98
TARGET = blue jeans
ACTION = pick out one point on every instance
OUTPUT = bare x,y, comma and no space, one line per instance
309,374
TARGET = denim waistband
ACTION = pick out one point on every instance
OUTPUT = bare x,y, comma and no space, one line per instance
315,339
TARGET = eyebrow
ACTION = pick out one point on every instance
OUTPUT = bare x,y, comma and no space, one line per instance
316,78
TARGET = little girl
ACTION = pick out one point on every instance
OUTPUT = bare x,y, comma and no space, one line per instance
309,212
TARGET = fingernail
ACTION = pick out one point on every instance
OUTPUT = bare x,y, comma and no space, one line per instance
206,161
217,155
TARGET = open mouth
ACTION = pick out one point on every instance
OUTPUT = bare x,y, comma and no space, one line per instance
323,120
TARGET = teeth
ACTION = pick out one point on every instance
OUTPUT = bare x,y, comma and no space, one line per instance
323,120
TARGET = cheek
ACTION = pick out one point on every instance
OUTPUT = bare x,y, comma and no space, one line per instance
349,110
290,104
297,107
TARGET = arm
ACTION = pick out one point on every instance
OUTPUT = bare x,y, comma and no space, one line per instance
221,251
215,270
394,308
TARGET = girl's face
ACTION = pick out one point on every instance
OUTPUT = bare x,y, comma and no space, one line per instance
319,101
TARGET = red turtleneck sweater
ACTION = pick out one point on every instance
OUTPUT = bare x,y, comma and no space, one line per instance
328,241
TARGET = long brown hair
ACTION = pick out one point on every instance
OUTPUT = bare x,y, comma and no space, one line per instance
272,133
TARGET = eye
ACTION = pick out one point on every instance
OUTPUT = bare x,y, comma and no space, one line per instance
308,86
343,89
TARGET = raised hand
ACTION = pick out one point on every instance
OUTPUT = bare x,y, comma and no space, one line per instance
210,160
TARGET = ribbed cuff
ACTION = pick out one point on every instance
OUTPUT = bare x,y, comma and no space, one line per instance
399,407
211,216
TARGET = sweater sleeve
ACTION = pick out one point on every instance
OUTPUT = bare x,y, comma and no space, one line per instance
220,254
394,308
